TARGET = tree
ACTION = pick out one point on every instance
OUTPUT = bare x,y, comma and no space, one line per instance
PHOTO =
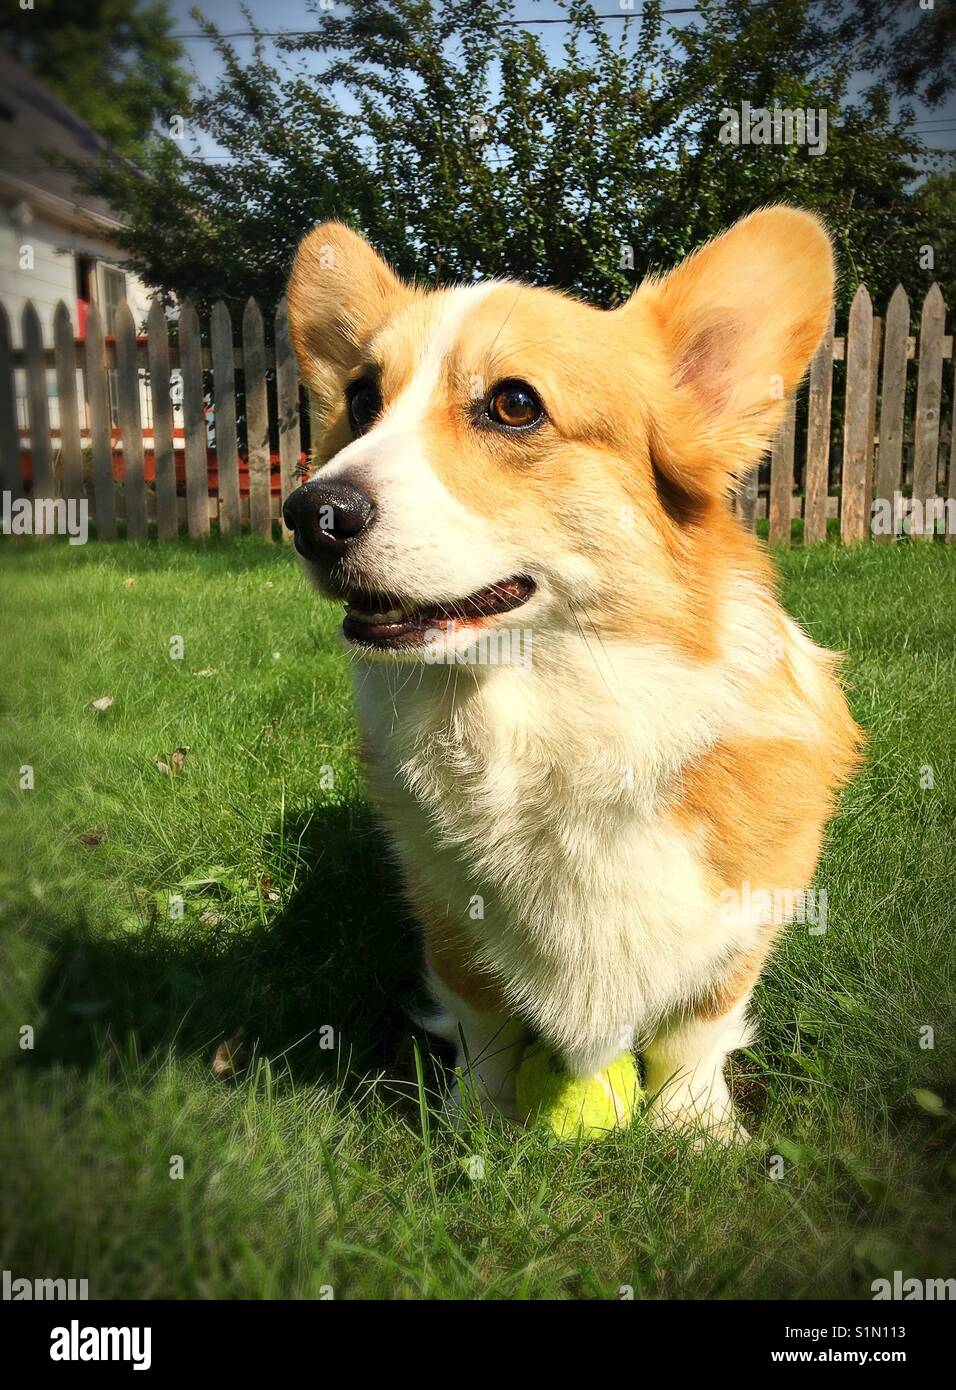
111,61
912,47
451,139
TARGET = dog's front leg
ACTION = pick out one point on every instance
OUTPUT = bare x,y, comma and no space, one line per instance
684,1066
489,1044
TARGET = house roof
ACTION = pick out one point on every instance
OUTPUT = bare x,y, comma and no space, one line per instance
32,122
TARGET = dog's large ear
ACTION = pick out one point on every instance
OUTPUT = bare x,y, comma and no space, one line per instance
340,291
738,323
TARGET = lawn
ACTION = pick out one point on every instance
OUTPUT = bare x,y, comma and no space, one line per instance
225,1096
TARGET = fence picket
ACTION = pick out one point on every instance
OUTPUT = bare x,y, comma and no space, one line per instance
194,423
11,479
876,343
227,449
98,405
287,395
854,504
164,457
890,462
746,500
41,450
131,424
64,348
257,418
951,478
929,384
781,476
817,475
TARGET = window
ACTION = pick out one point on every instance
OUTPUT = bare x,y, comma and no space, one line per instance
85,266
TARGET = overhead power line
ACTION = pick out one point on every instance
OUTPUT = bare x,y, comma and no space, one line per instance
543,19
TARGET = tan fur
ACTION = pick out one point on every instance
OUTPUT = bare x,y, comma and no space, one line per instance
450,957
677,736
727,993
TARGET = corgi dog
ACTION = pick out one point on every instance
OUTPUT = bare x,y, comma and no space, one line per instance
593,837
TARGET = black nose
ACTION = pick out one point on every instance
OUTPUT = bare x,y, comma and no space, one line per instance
326,517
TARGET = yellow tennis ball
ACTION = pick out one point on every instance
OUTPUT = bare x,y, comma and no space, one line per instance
573,1108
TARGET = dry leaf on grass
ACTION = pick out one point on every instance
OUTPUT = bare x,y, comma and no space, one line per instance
175,763
103,703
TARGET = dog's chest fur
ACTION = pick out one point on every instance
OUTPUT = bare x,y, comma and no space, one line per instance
531,811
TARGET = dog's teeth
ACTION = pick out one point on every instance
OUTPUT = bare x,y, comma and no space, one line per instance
391,615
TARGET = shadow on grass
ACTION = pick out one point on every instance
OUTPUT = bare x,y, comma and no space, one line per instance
342,954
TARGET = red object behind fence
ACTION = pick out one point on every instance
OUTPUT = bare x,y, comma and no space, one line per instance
149,466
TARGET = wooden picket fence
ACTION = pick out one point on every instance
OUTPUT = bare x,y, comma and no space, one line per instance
102,448
885,448
244,387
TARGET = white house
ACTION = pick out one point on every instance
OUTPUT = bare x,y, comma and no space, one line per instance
55,243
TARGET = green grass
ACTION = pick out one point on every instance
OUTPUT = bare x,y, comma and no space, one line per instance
148,918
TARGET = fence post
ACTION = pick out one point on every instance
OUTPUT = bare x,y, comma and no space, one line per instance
194,421
817,473
747,489
64,353
854,508
929,385
164,457
224,390
287,398
889,467
11,478
781,476
41,451
97,396
951,479
131,424
876,344
257,419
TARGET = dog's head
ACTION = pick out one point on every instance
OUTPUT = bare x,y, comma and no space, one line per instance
499,446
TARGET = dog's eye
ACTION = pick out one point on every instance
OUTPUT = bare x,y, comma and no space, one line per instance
514,404
364,404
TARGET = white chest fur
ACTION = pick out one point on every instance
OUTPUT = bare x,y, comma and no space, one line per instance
532,808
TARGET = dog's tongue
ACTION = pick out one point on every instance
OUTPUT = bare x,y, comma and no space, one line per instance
385,609
491,600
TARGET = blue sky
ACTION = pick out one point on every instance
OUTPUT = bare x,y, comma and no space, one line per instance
936,128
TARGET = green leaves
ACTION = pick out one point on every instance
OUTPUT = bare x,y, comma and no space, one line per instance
464,144
111,61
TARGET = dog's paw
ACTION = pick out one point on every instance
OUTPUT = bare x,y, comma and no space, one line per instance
704,1120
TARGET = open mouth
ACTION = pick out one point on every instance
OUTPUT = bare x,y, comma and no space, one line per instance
383,621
